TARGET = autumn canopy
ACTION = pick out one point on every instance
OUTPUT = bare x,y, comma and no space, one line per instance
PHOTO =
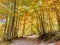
28,17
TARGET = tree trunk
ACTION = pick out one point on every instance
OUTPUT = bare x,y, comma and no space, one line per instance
24,25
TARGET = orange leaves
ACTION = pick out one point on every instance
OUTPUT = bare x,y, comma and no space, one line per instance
1,0
36,1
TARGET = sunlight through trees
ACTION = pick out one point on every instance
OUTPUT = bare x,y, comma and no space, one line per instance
29,17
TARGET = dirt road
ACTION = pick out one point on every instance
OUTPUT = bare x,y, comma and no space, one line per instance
32,42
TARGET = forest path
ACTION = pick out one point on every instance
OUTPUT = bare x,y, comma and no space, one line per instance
32,42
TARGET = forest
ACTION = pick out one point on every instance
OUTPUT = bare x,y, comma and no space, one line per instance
22,18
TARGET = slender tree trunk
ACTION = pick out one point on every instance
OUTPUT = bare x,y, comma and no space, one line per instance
38,24
42,23
5,28
24,25
14,28
8,29
31,24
